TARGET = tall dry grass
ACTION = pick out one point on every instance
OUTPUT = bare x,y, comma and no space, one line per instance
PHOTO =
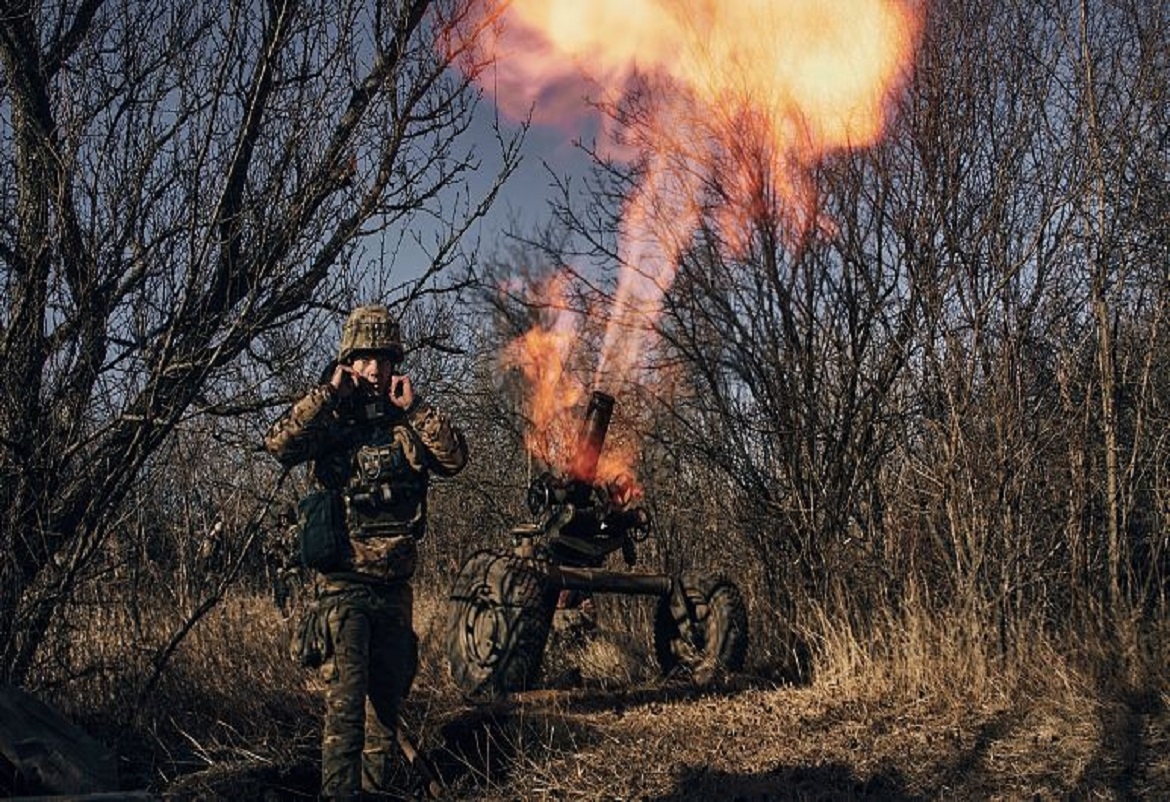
229,695
231,713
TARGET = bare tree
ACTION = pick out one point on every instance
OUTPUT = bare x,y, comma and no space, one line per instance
184,181
1030,221
1121,87
968,374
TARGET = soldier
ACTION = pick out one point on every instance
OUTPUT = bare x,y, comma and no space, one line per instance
373,444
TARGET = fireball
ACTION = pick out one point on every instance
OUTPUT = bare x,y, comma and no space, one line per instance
724,106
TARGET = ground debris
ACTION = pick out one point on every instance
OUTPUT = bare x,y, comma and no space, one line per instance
47,754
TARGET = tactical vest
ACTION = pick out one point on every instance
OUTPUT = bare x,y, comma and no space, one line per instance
383,491
385,495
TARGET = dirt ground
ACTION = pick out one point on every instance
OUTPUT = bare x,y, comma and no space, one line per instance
745,742
617,732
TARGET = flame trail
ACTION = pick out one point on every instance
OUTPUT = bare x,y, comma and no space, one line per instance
725,106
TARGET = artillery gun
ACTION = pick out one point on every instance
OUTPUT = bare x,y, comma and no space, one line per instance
503,600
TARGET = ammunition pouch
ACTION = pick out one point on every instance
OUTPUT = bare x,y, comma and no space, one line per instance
321,528
311,644
387,496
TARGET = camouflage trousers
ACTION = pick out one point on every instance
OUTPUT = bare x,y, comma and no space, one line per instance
375,656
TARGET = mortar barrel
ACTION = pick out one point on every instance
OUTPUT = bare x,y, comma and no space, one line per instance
592,437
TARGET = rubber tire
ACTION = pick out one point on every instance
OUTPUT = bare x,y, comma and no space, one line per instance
498,623
714,637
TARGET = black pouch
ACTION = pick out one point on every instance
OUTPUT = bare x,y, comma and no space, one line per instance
322,530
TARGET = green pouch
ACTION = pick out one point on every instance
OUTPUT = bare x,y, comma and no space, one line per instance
322,530
311,645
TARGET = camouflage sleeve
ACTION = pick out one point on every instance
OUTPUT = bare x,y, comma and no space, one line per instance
300,433
445,444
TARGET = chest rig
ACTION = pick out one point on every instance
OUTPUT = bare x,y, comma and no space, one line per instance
386,490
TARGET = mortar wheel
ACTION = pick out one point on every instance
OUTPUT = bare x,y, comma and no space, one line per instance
497,625
701,628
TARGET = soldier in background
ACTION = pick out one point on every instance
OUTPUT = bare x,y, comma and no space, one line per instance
373,444
282,559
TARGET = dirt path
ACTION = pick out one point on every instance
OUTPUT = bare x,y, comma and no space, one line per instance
757,743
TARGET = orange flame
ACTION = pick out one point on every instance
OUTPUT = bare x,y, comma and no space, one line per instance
544,356
547,356
726,106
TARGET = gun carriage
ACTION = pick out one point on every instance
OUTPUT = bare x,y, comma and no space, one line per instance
503,600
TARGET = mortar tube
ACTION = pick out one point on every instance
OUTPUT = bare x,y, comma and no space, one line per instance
591,439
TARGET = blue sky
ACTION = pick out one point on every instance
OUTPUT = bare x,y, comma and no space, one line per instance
524,201
525,198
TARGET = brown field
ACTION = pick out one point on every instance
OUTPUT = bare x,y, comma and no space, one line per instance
924,717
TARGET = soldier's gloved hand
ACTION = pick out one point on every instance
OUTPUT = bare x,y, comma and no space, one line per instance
401,392
344,380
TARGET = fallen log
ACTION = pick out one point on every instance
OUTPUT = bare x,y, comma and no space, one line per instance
50,754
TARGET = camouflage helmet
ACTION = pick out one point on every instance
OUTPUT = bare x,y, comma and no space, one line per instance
369,329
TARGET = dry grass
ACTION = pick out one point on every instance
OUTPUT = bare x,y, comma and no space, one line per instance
918,707
228,702
923,708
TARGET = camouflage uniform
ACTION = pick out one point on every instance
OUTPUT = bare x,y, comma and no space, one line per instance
379,458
